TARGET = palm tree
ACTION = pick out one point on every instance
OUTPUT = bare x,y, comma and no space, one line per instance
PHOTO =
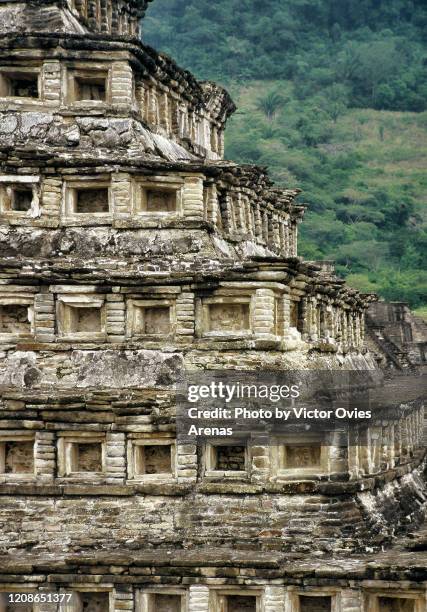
270,104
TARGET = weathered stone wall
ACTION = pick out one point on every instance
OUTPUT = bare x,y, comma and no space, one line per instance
116,17
247,314
94,461
194,198
353,586
397,337
112,95
110,16
23,16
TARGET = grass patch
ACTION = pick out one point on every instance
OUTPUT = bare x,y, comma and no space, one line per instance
421,312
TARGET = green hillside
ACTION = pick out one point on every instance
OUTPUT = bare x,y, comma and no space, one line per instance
339,112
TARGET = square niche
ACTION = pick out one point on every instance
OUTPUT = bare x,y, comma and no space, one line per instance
17,455
158,199
321,603
81,318
297,456
91,200
150,318
238,601
16,318
396,602
92,601
226,458
19,83
86,86
166,600
81,455
300,455
18,199
227,317
151,459
86,200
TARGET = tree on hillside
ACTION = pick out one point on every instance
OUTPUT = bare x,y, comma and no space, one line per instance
336,100
270,104
378,61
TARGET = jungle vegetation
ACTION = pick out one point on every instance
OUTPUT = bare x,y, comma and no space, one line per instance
332,97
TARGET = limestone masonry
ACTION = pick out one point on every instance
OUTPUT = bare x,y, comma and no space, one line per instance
130,251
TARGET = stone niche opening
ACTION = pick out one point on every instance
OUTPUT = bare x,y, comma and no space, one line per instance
19,84
156,320
229,458
153,318
88,457
22,199
85,319
300,456
92,601
16,198
396,604
81,455
91,200
81,318
19,198
227,317
165,603
158,200
296,319
239,603
89,86
15,319
151,458
17,456
315,604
